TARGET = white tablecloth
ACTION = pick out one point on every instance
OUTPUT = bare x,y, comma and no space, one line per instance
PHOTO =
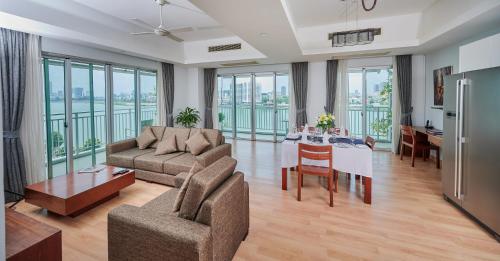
351,160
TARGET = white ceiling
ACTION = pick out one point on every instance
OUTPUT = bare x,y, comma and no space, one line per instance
320,12
271,31
174,17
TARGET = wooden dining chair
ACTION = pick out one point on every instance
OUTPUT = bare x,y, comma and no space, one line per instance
410,140
337,131
370,142
315,152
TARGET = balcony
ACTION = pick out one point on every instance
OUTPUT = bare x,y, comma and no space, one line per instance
82,132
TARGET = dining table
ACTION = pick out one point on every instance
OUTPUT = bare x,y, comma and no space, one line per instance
348,156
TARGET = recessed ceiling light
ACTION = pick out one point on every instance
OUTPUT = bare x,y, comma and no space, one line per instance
263,35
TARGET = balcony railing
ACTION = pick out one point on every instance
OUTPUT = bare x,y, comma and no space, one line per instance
124,127
263,119
374,115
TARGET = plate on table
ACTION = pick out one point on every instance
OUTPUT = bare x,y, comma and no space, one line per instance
362,146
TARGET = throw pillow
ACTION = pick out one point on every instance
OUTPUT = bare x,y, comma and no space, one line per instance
197,143
146,138
168,145
197,167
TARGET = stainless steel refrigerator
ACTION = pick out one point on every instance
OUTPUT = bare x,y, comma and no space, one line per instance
471,148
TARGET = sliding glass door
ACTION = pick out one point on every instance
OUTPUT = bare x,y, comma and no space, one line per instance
147,85
243,103
55,117
265,111
124,103
225,103
370,104
78,110
253,106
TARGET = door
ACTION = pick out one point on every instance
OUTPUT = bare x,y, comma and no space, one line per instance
75,115
56,121
449,176
265,107
124,104
370,104
481,128
253,106
225,105
243,107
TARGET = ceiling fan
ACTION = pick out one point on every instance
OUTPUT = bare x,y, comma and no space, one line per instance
162,30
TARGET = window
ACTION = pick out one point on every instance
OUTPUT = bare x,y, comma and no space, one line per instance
87,105
124,103
253,106
147,82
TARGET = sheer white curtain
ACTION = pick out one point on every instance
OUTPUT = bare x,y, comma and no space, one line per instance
396,108
341,100
160,98
32,130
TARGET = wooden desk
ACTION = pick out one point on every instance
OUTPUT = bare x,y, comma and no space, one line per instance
29,239
436,140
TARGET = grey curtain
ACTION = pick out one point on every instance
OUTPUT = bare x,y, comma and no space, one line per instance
331,84
403,63
13,48
209,75
168,90
299,76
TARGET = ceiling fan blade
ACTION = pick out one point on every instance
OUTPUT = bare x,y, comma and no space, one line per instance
175,38
142,33
208,27
181,30
140,22
186,8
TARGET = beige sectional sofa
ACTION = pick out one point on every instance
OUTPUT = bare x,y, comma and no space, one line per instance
212,221
163,168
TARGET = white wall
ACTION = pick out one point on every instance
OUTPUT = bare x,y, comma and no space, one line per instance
51,45
446,56
189,90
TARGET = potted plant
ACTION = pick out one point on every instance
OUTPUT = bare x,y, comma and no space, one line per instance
188,118
325,121
222,117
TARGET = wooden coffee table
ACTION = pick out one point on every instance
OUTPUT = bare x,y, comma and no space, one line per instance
75,193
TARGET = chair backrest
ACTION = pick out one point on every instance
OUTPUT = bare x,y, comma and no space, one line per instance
315,152
311,129
337,131
407,133
370,142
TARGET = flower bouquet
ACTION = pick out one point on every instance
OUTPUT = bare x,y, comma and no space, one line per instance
325,121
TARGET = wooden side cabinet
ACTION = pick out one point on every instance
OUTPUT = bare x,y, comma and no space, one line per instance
29,239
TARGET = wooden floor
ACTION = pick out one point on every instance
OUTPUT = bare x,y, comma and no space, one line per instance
408,218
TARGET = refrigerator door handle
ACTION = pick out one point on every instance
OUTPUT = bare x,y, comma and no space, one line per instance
457,123
461,139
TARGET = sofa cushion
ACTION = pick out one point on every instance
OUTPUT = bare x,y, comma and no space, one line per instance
182,190
197,143
181,135
126,158
203,184
168,145
146,138
162,204
182,163
158,132
153,162
213,136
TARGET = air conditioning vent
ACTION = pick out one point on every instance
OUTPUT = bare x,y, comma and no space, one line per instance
239,64
224,47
